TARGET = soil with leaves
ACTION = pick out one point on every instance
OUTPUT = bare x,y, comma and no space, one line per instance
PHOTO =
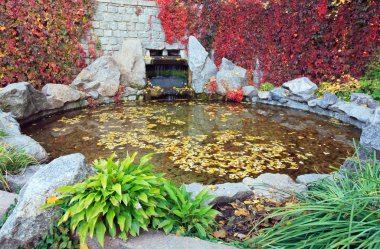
241,219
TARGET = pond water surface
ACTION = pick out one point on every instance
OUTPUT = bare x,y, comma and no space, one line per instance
204,142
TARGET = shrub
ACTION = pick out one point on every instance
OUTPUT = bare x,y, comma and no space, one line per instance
266,86
370,83
183,215
235,95
120,198
338,213
342,87
40,40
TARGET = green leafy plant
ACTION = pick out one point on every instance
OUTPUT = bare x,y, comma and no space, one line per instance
266,86
182,214
58,236
335,213
370,83
121,198
370,87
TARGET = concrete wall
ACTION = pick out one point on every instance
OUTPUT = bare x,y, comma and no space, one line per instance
116,20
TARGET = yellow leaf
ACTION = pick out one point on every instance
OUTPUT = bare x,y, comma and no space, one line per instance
51,199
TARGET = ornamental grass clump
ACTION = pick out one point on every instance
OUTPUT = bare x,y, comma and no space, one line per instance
336,213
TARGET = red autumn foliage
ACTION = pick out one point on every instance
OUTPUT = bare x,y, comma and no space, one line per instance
290,38
235,95
40,40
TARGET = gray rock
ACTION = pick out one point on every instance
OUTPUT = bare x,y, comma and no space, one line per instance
201,66
313,102
130,61
156,240
28,221
129,91
311,178
250,91
16,182
263,95
197,55
375,119
361,113
300,86
371,136
101,76
7,199
302,97
8,124
278,93
364,100
274,186
225,192
22,100
58,95
336,107
230,77
327,100
27,144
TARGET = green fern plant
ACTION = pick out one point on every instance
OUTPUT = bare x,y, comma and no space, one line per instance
182,214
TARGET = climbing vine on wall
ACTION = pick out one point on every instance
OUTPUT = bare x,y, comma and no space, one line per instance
40,40
290,38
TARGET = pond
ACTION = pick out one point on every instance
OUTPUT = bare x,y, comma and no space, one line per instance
202,142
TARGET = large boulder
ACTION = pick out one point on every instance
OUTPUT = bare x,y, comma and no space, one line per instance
300,86
274,186
28,221
102,76
364,99
361,113
8,124
130,61
58,95
230,77
201,66
22,100
155,240
26,144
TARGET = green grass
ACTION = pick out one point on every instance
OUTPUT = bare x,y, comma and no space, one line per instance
339,213
3,134
12,162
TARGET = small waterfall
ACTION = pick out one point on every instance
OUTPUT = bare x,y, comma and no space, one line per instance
169,76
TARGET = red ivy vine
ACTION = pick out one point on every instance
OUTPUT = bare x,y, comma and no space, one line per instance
290,38
40,40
